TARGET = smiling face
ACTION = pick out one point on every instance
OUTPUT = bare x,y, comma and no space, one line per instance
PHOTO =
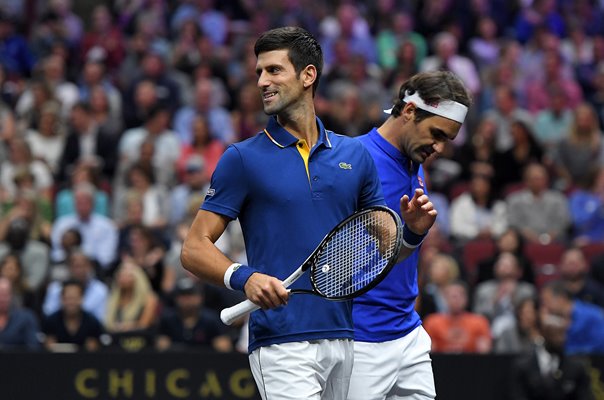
419,140
279,84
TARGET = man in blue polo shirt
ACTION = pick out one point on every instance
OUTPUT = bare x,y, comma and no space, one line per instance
392,359
289,186
288,190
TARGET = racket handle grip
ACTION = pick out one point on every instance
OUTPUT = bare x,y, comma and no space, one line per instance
229,315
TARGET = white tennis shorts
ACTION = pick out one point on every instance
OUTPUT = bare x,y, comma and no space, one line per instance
393,370
315,370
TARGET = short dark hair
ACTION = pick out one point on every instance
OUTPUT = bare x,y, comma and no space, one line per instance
187,286
79,252
461,283
432,87
303,49
72,282
156,109
83,106
76,234
144,169
558,289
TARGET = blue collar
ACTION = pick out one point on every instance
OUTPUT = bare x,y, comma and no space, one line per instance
282,138
393,152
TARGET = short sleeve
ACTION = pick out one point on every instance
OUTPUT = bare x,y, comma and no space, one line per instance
371,192
228,187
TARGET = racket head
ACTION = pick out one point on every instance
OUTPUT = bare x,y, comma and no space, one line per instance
357,254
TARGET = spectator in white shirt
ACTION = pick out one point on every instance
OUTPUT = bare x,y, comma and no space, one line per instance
96,293
99,233
477,213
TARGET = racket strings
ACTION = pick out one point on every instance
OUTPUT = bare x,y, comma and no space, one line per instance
356,254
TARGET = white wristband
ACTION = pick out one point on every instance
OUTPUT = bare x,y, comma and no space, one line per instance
227,275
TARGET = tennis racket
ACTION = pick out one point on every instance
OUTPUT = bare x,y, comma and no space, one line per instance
354,257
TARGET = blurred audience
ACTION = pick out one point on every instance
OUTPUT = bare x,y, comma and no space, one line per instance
166,146
553,124
104,36
495,298
30,205
583,322
248,117
505,111
538,212
33,255
52,68
554,73
518,335
22,162
132,305
114,116
477,154
141,184
510,241
203,146
18,325
574,274
48,140
17,56
398,33
71,324
11,268
510,164
87,143
581,149
95,294
447,57
194,186
586,205
190,323
546,371
477,213
458,330
144,248
442,270
206,104
95,81
99,233
82,172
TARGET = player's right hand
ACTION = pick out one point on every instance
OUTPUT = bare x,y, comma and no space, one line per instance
418,212
266,291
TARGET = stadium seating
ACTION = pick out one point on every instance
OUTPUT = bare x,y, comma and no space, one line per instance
474,252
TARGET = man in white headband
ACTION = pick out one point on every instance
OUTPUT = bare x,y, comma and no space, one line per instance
392,349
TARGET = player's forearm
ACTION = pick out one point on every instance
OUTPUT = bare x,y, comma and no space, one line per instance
405,252
203,259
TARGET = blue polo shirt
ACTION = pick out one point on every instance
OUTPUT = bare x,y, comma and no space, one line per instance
584,335
287,198
387,312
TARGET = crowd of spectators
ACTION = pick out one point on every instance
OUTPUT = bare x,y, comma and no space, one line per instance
113,115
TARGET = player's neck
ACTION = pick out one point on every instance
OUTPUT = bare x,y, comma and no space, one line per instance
301,122
388,130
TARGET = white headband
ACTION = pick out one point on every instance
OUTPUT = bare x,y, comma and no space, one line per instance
448,108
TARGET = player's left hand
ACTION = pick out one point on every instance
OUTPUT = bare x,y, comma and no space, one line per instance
418,212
